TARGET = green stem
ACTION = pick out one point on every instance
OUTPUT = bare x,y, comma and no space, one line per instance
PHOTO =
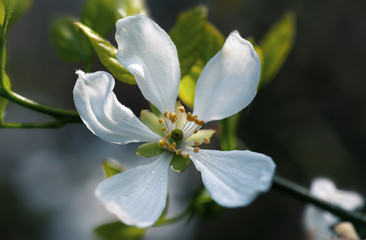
303,194
53,124
176,218
71,116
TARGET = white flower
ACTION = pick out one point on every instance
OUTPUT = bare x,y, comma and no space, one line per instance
227,84
318,222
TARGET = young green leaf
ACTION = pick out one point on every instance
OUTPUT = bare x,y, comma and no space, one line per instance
187,36
20,7
69,42
118,231
111,167
197,41
276,46
101,16
107,55
2,13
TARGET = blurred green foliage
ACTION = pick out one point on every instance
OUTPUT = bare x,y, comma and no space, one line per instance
118,231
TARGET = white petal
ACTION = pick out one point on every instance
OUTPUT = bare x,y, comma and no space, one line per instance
325,189
101,112
229,81
137,196
148,53
234,178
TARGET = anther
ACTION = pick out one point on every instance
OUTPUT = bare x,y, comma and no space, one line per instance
161,143
185,155
163,129
197,143
181,109
195,150
166,114
195,131
189,116
161,120
178,152
206,140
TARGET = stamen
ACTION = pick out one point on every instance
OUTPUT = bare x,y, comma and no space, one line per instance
161,120
166,113
206,140
161,143
189,116
185,155
163,129
181,109
178,152
195,150
195,131
197,143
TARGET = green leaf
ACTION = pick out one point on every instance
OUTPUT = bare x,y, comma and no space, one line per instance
188,84
131,7
150,149
118,231
197,41
179,163
20,7
276,46
69,42
152,121
187,37
101,16
107,55
111,167
2,13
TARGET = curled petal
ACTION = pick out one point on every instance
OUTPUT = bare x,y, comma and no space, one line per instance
103,114
229,81
137,196
234,178
148,53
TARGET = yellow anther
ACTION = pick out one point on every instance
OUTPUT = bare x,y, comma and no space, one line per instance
195,131
161,120
166,114
181,109
163,129
185,155
189,116
178,152
197,143
195,150
174,144
162,143
206,140
167,136
194,118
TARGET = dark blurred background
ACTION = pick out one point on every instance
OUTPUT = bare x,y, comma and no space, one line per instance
310,119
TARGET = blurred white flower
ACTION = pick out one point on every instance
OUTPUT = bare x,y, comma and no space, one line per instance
317,222
227,84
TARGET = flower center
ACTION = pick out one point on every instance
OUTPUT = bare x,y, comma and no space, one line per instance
178,127
177,135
